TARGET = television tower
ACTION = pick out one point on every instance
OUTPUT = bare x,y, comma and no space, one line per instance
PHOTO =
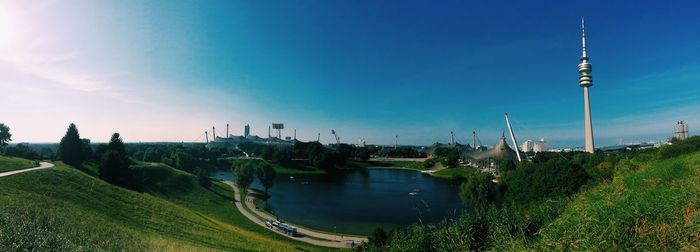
585,80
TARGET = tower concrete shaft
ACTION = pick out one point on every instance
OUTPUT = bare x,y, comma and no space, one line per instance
585,80
588,124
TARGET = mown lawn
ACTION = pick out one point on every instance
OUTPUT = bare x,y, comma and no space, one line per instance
14,163
454,173
63,209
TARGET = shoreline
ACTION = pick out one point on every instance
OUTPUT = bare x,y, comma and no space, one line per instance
314,237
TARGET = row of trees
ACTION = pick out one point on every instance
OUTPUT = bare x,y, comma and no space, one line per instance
311,153
112,158
245,175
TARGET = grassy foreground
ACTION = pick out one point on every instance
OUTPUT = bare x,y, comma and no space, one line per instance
63,209
657,208
14,163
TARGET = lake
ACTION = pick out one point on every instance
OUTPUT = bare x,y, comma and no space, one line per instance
358,202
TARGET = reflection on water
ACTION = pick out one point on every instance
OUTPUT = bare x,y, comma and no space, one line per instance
358,202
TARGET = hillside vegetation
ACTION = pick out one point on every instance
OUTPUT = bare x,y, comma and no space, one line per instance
63,209
648,201
14,163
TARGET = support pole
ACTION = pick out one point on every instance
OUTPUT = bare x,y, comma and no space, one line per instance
512,136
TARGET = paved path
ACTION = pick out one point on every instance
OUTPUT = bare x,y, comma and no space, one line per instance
42,165
329,239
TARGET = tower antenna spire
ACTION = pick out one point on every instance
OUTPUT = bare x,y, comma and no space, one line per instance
583,39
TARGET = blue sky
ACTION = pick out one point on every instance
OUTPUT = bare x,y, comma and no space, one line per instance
168,70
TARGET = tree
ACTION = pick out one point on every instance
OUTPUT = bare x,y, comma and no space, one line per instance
378,237
451,158
5,135
203,178
114,166
87,150
71,149
506,165
244,176
266,175
478,190
325,161
282,156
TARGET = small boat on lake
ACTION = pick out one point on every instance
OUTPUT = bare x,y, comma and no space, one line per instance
412,193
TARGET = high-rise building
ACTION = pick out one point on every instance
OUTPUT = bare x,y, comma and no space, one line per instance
680,130
541,146
246,130
527,146
585,80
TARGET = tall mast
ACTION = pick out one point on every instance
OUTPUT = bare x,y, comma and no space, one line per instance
585,80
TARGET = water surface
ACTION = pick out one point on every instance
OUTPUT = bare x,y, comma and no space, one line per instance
358,202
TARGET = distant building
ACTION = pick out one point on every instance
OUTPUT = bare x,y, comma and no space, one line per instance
680,130
246,131
541,146
361,143
526,146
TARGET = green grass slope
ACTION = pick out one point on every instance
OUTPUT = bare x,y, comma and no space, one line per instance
13,163
63,209
413,165
656,209
454,173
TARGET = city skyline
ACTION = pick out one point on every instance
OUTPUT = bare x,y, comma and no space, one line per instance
167,72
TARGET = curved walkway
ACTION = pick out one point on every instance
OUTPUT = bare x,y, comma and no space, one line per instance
42,165
327,240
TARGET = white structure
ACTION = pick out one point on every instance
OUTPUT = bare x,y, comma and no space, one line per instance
541,146
585,80
361,143
527,146
680,130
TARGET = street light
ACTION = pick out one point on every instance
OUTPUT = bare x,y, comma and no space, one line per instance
336,233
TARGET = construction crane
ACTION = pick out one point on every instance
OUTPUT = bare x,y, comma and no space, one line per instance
512,136
337,138
452,137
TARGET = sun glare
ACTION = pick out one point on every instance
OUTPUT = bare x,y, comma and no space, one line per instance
6,28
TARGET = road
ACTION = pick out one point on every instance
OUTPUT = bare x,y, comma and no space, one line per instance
328,240
42,165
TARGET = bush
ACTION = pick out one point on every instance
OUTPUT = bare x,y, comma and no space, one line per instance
478,191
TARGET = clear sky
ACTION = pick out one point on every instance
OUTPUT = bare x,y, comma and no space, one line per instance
169,70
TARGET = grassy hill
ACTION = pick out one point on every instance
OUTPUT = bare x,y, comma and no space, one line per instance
64,209
656,208
13,163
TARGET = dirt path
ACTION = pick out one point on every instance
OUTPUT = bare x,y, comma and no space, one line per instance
327,240
42,165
